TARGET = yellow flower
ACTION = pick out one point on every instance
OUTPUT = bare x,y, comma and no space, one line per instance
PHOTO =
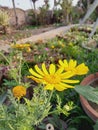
73,67
20,46
52,47
62,45
28,49
52,78
19,91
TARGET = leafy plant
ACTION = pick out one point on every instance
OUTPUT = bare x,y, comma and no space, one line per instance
4,20
9,83
26,115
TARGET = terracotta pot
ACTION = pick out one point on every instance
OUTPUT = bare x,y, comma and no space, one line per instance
92,80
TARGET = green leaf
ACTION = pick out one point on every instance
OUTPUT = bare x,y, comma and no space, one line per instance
3,97
9,83
88,92
96,126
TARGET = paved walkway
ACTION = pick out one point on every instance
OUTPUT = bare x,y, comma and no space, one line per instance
43,36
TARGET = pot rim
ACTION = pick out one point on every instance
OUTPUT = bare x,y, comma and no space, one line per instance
85,104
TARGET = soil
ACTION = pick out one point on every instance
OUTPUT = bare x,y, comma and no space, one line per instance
15,35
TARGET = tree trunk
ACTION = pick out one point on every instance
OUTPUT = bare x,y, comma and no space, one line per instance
34,6
35,13
4,29
67,18
16,18
31,4
94,29
88,3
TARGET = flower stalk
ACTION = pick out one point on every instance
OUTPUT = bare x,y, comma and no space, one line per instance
5,57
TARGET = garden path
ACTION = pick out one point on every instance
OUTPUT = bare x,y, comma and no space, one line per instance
46,35
42,36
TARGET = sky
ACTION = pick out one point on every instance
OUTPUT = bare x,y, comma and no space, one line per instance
26,4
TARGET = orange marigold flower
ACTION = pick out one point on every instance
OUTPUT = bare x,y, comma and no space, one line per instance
19,91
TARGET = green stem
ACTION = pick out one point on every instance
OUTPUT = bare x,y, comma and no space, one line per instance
55,111
50,96
10,126
48,100
20,64
4,57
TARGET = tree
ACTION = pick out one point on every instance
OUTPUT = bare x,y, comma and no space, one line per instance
34,1
93,6
66,6
44,15
46,4
31,4
16,18
35,14
85,4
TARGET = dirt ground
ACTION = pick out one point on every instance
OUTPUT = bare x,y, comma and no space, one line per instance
15,35
23,36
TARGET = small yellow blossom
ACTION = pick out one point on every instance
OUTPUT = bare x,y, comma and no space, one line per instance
19,91
62,45
20,46
52,47
28,49
73,67
52,78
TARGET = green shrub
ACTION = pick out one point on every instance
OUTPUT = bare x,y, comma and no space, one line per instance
4,20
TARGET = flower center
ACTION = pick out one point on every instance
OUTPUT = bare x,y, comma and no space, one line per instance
52,79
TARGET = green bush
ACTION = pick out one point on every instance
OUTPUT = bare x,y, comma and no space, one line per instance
4,20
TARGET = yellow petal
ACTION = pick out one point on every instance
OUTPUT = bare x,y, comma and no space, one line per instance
61,63
35,79
59,71
39,70
49,87
34,73
65,63
72,63
52,69
82,69
44,69
66,75
70,81
66,85
59,87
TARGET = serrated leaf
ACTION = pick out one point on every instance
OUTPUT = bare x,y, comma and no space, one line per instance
9,83
88,92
